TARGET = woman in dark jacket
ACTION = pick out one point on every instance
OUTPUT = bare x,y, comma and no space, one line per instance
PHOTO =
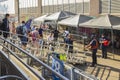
5,25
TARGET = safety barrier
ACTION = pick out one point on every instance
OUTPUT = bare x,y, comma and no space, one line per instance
42,66
10,76
33,58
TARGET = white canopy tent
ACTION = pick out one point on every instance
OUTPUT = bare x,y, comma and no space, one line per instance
103,22
41,18
74,21
116,27
59,16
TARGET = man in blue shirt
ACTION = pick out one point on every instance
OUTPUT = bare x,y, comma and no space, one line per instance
93,46
104,46
40,31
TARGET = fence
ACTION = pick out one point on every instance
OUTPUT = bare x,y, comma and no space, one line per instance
28,59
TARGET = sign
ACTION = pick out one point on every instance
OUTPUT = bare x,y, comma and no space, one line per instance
58,66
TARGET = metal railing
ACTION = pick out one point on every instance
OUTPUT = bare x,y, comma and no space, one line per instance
35,59
81,75
10,76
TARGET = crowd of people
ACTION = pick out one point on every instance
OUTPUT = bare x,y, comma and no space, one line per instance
36,37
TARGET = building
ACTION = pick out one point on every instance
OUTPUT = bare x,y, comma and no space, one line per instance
28,8
89,7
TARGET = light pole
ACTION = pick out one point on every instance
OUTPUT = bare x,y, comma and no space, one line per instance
57,6
83,7
18,11
63,5
69,4
109,7
75,7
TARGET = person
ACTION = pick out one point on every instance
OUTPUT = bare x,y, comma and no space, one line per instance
117,45
35,40
40,31
33,28
65,34
13,28
24,38
69,42
5,24
50,40
104,44
93,45
41,40
55,32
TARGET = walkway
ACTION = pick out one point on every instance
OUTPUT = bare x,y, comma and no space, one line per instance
106,69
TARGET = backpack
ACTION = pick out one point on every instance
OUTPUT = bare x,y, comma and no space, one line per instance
19,31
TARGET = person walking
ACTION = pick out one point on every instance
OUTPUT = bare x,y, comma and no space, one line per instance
23,37
69,43
50,40
35,41
56,33
5,26
104,45
93,45
40,30
65,34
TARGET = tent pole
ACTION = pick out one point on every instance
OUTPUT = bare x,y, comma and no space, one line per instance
112,38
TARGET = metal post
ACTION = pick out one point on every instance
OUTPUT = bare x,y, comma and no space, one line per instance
75,7
53,5
48,7
63,5
57,6
69,4
18,11
112,38
44,7
83,7
109,7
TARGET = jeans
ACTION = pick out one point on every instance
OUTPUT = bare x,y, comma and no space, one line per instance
94,56
104,52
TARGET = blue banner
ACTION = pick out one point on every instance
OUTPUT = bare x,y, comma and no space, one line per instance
28,23
58,66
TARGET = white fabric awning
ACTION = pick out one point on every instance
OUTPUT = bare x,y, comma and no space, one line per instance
59,16
41,18
74,21
102,22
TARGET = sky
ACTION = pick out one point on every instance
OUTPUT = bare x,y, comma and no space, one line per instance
8,6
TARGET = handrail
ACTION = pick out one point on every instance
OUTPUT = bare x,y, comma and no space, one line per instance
24,63
37,60
82,73
17,67
10,76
